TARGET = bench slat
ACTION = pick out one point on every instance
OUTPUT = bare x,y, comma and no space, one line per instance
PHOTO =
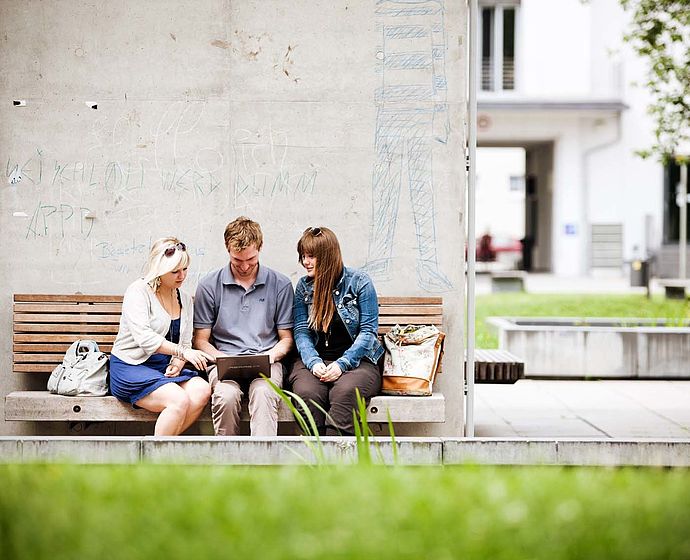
100,298
52,348
62,328
77,298
410,320
411,300
65,318
69,338
67,308
34,368
408,310
38,358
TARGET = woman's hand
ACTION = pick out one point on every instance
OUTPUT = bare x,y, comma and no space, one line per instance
319,370
174,367
332,373
198,358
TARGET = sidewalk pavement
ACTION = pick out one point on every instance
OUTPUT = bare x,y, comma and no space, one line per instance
602,283
536,408
617,409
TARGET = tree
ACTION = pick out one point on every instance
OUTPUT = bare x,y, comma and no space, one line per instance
660,33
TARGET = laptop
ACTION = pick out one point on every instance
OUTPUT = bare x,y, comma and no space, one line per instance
243,368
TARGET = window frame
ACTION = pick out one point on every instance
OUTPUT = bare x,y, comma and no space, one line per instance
496,57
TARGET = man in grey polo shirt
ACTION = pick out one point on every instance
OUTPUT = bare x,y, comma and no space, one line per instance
244,308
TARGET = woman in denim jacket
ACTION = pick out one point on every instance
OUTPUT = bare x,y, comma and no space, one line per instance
336,317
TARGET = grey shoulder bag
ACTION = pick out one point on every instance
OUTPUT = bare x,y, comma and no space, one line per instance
83,372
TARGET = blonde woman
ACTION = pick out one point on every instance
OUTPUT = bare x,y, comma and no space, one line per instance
148,363
336,326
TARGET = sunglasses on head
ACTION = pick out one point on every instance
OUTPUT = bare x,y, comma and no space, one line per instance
170,251
315,231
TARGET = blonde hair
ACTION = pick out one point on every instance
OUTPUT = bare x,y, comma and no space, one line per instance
323,244
242,233
158,264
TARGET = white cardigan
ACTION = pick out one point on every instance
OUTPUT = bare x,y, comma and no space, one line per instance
144,324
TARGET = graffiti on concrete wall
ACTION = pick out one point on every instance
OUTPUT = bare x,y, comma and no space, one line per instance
412,117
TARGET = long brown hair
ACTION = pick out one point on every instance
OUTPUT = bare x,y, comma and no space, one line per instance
321,243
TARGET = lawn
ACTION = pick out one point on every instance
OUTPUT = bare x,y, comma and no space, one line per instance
206,512
570,305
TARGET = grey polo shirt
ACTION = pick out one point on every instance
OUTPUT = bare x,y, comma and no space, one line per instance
244,321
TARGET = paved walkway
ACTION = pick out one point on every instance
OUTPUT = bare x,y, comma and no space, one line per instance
584,409
537,283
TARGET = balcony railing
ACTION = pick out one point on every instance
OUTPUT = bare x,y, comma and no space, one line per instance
507,78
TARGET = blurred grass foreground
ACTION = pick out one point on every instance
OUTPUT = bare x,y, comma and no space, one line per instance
208,512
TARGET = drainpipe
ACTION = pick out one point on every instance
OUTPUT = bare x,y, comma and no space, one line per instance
586,155
470,212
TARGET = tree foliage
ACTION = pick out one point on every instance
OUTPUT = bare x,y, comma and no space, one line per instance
660,33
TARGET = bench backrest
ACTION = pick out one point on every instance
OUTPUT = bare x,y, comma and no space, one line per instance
44,325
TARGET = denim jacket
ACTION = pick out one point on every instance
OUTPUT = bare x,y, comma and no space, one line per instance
356,302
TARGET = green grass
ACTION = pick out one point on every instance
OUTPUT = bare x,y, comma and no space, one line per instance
570,305
173,512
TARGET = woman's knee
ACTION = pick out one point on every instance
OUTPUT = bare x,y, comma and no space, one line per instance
308,387
304,390
179,402
199,392
346,388
344,393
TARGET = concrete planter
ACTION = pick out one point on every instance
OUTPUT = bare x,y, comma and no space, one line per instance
597,347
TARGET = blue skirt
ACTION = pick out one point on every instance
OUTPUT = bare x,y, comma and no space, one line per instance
129,383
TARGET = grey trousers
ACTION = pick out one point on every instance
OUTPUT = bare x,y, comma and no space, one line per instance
338,398
226,404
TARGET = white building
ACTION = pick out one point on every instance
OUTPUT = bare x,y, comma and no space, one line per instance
557,80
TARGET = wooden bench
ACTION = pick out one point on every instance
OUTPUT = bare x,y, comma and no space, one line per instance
508,281
674,288
44,325
497,366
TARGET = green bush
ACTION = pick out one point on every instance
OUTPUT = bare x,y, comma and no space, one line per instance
205,512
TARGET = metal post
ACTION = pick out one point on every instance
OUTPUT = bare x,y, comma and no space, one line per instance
471,236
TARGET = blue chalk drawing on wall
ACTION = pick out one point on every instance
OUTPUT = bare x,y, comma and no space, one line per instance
412,116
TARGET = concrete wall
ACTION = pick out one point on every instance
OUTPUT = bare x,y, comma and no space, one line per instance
342,451
142,119
563,347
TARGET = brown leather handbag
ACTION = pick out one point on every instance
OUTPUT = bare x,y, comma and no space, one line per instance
413,359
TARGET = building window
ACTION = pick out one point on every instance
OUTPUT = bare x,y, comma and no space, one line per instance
517,183
497,46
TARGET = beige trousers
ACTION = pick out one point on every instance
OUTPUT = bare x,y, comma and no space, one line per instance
226,404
